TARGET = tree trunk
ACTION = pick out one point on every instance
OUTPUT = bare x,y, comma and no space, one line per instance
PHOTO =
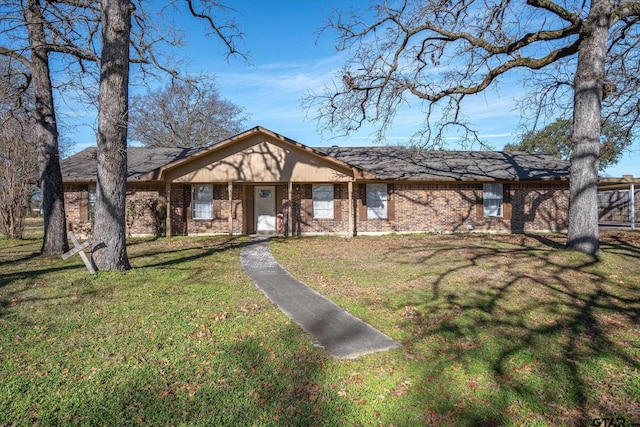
583,232
110,225
46,134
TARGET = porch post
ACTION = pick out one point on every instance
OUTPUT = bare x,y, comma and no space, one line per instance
230,189
290,210
168,218
351,230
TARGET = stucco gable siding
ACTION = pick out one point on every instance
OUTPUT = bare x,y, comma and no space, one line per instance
260,158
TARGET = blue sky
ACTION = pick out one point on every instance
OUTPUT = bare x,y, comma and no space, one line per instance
287,58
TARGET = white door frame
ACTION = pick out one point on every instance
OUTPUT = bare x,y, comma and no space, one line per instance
264,208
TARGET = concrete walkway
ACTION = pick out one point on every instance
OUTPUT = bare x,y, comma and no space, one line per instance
332,327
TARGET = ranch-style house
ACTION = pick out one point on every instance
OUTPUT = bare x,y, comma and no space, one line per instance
263,182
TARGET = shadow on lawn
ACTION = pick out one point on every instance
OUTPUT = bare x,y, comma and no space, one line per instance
244,383
541,329
246,378
622,243
149,253
17,262
181,250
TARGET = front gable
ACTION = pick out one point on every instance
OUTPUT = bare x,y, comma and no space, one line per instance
259,155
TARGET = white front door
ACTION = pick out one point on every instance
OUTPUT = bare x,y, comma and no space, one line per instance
265,208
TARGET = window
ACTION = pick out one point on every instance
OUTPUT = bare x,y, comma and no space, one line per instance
202,202
322,201
92,198
492,199
264,194
376,201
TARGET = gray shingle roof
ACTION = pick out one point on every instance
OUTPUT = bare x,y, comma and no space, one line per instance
385,162
82,167
401,163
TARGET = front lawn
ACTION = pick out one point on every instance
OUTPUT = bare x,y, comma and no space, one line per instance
496,330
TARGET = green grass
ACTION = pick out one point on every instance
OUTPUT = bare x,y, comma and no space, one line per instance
496,330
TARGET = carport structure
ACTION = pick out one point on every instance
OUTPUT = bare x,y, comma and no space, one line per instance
618,201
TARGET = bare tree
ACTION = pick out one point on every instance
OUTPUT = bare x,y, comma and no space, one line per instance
113,105
18,156
184,114
442,52
17,165
110,220
45,129
71,29
31,31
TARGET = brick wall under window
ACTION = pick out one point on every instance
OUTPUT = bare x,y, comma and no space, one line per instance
446,207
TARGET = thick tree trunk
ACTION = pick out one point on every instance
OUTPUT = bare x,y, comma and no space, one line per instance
110,225
46,135
589,80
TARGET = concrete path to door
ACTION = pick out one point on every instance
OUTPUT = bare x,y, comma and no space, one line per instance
332,327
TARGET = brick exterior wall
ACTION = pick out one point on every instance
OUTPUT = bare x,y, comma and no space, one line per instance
221,209
421,208
145,210
446,208
302,220
417,207
180,197
75,202
539,207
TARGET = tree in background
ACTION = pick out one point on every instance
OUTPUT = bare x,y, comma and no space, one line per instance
555,139
185,113
18,155
18,164
442,52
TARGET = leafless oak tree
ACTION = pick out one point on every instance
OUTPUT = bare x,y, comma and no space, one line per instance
18,156
17,165
441,52
33,30
185,113
113,109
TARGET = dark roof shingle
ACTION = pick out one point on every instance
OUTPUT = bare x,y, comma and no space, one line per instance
82,167
385,162
401,163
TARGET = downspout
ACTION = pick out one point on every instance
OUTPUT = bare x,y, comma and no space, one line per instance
632,200
632,205
230,190
168,218
351,231
290,210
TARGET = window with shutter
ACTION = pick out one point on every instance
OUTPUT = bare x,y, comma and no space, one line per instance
202,202
322,201
492,200
376,201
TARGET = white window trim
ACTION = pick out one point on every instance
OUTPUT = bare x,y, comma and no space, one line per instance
194,211
320,211
492,199
377,212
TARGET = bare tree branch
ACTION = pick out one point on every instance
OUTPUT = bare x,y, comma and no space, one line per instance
438,53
